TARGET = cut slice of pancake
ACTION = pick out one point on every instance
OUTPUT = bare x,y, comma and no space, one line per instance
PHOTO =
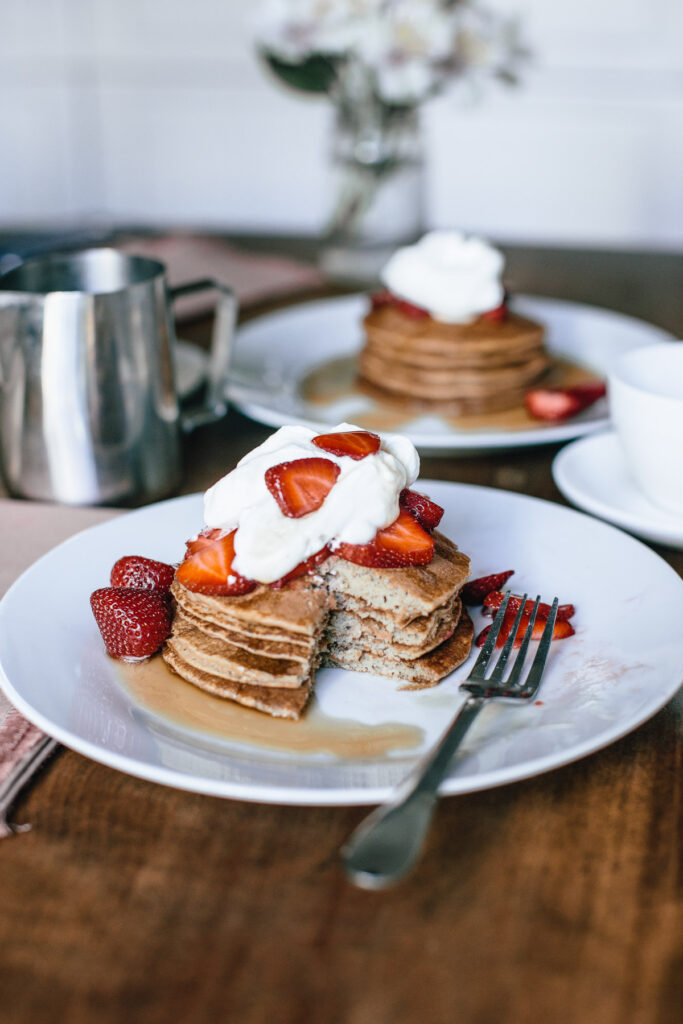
420,631
420,673
374,636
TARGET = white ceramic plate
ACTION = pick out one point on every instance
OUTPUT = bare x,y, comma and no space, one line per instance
592,473
274,354
625,662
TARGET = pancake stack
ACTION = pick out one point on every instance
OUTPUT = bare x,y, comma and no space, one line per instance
481,367
262,649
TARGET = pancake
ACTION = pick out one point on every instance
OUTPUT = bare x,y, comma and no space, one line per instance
280,703
483,366
294,609
405,594
445,383
421,673
421,634
368,637
217,656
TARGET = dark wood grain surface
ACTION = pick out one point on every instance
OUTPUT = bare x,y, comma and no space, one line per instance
554,900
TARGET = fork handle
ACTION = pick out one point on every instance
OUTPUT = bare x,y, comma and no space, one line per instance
387,843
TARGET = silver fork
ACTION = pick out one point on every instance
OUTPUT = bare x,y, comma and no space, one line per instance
387,843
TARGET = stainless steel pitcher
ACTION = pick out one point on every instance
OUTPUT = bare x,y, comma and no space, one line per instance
88,407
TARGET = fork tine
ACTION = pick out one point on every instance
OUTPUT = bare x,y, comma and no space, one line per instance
519,660
479,667
497,674
533,680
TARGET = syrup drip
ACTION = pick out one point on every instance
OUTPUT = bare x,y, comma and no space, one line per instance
165,694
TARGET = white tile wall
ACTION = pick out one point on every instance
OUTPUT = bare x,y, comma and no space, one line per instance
157,111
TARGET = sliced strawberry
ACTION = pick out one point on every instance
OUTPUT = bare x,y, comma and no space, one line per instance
561,629
493,601
497,315
354,443
402,543
381,298
589,392
475,591
202,540
133,623
141,573
387,298
427,512
410,309
209,569
557,404
303,567
301,486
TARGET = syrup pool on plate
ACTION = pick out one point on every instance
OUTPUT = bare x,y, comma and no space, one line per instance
164,694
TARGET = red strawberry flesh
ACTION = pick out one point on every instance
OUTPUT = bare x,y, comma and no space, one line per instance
208,570
400,544
493,601
476,590
202,540
409,309
301,486
497,315
427,512
357,444
141,573
561,630
309,565
557,404
133,623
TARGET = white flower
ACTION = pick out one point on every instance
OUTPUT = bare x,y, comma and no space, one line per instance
403,44
409,46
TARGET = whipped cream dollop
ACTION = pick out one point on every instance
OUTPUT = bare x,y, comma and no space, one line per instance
453,277
364,499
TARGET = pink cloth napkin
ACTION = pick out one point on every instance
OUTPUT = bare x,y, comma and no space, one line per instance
253,277
34,529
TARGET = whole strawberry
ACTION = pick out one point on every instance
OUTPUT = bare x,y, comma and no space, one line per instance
141,573
133,623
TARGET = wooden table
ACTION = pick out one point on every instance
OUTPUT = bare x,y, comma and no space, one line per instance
551,900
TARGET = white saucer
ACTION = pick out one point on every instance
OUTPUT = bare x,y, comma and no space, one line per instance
592,474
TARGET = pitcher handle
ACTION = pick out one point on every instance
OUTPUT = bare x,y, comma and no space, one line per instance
215,404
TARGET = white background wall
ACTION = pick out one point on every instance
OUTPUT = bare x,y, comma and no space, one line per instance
156,111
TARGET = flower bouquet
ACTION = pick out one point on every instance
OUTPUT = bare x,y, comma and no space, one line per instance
377,61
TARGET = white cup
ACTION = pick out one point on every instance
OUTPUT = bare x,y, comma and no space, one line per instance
645,388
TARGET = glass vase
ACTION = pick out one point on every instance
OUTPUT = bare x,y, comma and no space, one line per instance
378,177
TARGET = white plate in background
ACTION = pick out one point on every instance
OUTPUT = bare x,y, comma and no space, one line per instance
275,352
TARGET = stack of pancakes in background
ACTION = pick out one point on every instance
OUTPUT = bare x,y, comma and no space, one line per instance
480,367
262,649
